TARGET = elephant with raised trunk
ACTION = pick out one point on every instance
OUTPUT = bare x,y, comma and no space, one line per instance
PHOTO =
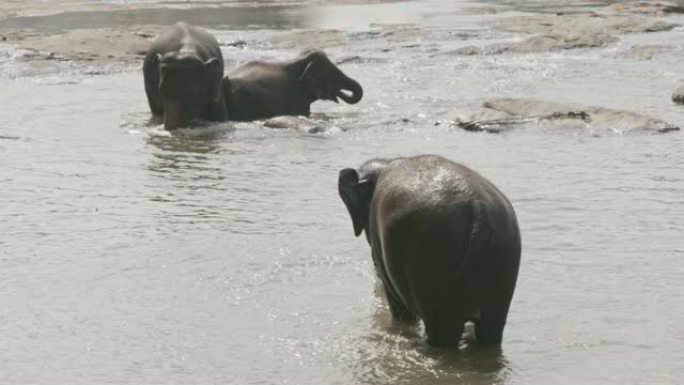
183,71
261,90
444,240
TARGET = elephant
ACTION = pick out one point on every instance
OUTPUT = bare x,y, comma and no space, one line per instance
444,241
262,90
183,72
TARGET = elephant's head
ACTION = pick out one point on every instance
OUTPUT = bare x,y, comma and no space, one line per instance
323,80
187,85
356,190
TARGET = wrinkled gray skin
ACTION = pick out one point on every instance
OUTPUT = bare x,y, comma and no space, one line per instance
261,90
183,70
444,240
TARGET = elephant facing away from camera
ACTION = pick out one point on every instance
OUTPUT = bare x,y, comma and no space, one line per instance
444,241
261,90
183,72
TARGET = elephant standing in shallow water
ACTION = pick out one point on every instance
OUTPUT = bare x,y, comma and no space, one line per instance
444,240
183,73
261,90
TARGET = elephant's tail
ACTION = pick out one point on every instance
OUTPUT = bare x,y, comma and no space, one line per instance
480,236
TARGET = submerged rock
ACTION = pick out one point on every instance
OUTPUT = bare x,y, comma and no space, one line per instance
678,95
299,123
502,114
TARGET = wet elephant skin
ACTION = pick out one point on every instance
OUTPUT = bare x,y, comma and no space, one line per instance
444,240
183,70
261,90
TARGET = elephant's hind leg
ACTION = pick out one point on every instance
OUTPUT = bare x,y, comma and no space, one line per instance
444,327
444,330
493,311
489,329
493,298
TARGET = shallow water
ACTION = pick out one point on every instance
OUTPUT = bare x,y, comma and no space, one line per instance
224,255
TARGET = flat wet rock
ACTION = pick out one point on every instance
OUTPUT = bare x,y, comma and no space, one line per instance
310,38
386,33
479,10
86,45
503,114
33,7
678,95
643,52
542,43
589,23
563,32
653,8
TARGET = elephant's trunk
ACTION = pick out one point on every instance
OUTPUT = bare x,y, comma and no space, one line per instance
352,85
175,115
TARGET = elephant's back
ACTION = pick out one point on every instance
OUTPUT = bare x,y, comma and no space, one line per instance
258,72
205,44
184,37
428,182
436,192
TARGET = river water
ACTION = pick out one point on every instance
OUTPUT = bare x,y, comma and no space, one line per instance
223,255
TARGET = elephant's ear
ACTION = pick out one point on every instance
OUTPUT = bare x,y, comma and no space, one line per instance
310,77
307,71
356,195
215,70
313,59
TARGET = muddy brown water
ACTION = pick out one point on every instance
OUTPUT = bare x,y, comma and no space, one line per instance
223,254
